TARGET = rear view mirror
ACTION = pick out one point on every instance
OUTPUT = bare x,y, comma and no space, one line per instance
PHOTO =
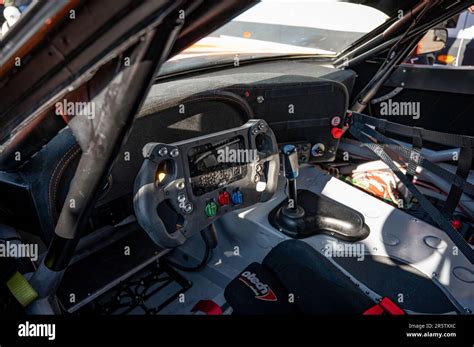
434,41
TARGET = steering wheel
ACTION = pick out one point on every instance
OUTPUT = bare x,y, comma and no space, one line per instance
183,187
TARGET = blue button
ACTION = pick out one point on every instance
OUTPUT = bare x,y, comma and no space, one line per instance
237,197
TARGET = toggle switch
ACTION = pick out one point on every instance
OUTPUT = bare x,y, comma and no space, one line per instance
211,208
237,197
223,198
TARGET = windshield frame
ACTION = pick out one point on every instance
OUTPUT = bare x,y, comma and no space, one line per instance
168,70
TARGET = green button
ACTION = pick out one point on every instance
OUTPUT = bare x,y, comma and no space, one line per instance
211,209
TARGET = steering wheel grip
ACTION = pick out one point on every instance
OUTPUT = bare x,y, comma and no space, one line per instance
145,202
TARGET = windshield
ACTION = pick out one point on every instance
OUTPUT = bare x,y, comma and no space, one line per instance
281,28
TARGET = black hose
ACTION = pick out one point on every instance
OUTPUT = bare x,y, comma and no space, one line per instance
207,256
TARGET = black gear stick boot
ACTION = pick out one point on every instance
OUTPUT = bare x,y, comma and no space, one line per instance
305,213
290,215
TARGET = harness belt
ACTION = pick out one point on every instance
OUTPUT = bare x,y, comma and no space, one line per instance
446,139
415,157
454,195
377,143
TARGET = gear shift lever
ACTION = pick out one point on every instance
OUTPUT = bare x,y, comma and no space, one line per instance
306,213
290,160
290,217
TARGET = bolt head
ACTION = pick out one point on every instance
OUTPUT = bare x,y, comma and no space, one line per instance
163,151
188,208
174,153
335,121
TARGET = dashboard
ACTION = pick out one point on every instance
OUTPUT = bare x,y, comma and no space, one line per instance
300,101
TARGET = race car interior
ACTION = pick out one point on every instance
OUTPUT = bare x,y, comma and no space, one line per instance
237,186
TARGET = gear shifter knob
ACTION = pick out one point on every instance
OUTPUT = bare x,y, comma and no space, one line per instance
290,161
290,155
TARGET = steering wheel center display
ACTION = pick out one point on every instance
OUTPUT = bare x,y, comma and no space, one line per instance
212,166
183,187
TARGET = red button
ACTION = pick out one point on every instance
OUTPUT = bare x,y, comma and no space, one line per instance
223,198
337,133
456,223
